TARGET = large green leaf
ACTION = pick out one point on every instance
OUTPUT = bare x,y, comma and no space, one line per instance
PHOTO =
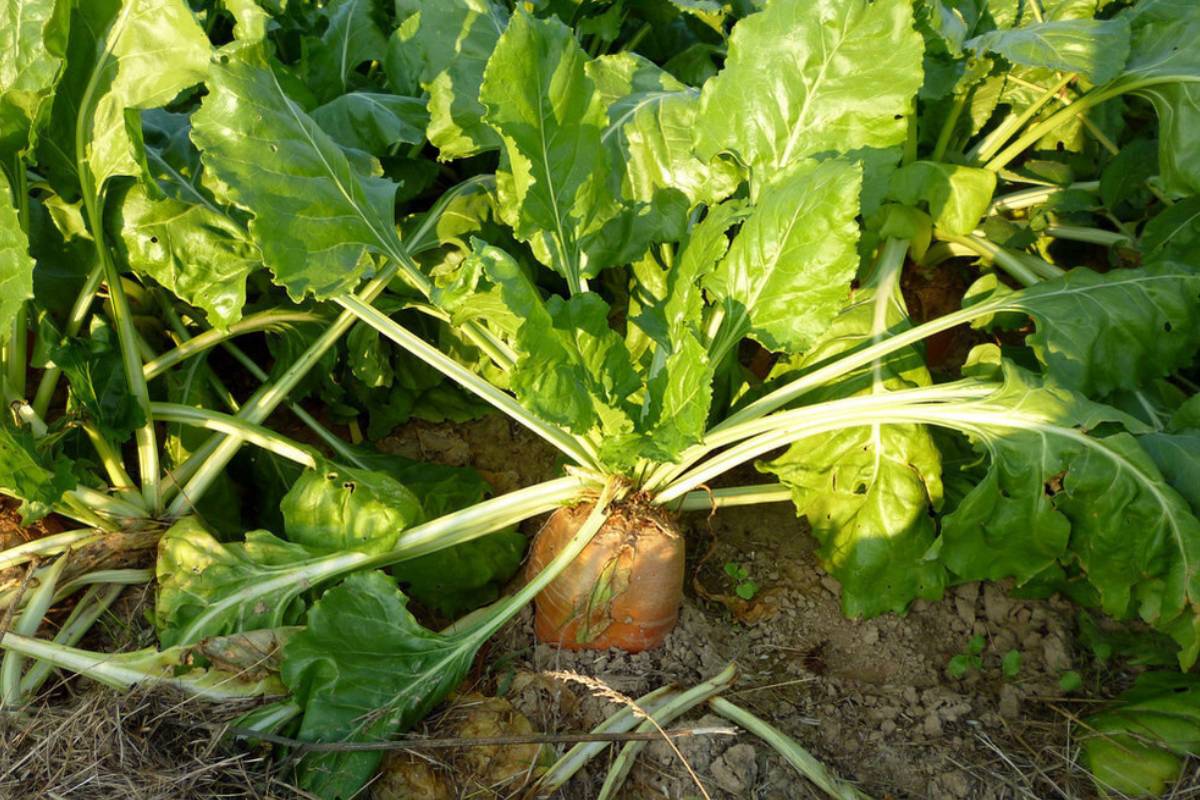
192,248
373,122
553,180
573,369
16,267
364,669
1164,67
34,44
336,508
806,77
200,579
120,57
1057,493
316,212
957,196
869,492
649,136
351,36
453,42
1095,48
797,250
1099,332
1174,234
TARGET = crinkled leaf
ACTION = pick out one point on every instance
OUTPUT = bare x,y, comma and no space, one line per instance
334,508
31,56
840,75
553,181
315,212
364,669
956,196
1138,746
797,250
649,136
1095,48
869,492
453,43
351,37
200,581
373,122
191,248
1057,493
16,266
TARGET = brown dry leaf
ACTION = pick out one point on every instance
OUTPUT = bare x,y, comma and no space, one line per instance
501,768
405,776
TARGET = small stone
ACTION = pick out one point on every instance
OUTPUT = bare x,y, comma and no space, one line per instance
933,725
736,770
910,695
996,604
1010,701
870,635
888,727
965,609
1054,651
831,585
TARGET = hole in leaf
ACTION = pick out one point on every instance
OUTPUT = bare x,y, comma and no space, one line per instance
153,240
860,489
349,486
331,476
1167,327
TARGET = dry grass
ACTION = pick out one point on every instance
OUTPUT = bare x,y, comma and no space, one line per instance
142,745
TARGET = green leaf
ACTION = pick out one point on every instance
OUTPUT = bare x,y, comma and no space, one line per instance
573,369
1174,234
364,669
199,581
1010,665
463,577
1095,48
316,212
193,249
552,181
1138,746
373,122
868,492
1099,332
840,75
37,477
30,63
453,42
649,136
1056,493
16,266
351,37
1163,67
99,391
123,56
336,508
797,250
957,197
